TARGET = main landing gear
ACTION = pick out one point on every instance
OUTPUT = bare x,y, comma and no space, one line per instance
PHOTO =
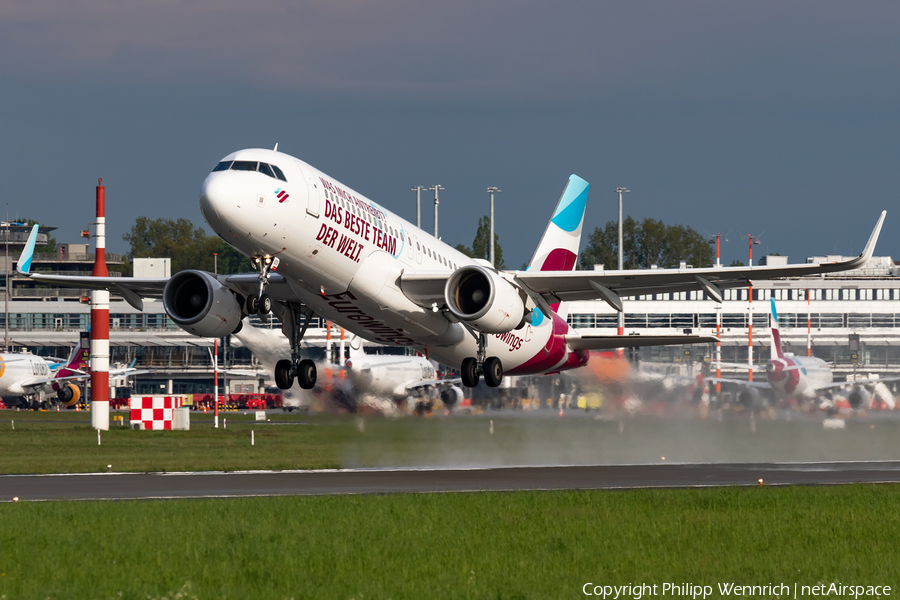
474,367
304,370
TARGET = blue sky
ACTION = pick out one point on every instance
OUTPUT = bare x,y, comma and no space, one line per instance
748,117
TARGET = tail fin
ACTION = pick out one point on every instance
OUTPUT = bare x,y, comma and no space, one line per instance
23,265
776,334
558,248
78,360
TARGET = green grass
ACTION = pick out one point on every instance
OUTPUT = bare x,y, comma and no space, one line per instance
491,545
63,442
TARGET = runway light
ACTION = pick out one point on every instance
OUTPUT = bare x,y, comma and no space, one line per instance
760,482
663,457
108,468
15,499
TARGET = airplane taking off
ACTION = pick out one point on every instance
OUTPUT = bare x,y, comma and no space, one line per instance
322,248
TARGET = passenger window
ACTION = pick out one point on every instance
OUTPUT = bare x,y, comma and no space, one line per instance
243,165
264,168
279,173
222,166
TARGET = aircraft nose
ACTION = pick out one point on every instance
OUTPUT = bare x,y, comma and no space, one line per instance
217,200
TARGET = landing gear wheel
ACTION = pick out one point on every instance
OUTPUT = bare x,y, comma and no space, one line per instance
493,371
468,372
265,304
237,329
306,374
284,378
252,305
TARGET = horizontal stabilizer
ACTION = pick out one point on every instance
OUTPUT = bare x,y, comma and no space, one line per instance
608,342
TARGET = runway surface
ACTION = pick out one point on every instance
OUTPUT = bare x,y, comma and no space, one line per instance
118,486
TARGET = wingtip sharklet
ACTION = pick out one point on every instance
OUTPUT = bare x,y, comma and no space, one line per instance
869,250
23,265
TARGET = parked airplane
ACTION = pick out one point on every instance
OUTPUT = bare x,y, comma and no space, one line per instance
322,248
34,377
401,377
388,377
796,377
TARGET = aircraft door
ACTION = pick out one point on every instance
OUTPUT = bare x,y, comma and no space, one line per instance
313,193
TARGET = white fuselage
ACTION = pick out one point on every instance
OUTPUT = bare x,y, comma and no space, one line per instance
16,369
390,375
793,376
343,255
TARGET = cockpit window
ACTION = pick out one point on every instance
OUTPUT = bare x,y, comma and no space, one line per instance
248,165
264,168
243,165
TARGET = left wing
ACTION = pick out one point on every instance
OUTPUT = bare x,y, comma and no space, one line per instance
612,286
548,287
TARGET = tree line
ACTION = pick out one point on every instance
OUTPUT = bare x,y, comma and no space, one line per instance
645,243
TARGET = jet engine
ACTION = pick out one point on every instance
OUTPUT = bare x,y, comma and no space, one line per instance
859,398
481,297
201,305
69,394
451,396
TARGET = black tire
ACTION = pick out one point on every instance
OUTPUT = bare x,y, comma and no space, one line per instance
306,374
237,329
265,304
493,371
468,372
252,305
284,378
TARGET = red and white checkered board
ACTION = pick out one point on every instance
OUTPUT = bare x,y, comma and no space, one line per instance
155,412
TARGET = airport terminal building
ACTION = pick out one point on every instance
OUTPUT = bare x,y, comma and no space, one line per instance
819,313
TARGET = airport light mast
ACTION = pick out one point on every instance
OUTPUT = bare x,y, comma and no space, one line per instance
751,239
437,187
418,190
621,328
718,317
492,190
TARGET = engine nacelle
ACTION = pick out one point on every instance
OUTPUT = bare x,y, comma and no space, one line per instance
481,297
69,394
200,305
859,398
451,396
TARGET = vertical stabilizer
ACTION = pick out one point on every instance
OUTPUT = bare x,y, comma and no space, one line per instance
558,248
776,334
77,363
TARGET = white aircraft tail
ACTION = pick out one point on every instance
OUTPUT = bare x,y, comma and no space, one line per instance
775,348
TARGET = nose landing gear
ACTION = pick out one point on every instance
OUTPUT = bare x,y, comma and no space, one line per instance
261,304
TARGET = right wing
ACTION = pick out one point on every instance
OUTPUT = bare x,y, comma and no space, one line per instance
132,289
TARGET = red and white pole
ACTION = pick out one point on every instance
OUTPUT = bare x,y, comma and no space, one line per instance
216,383
100,323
